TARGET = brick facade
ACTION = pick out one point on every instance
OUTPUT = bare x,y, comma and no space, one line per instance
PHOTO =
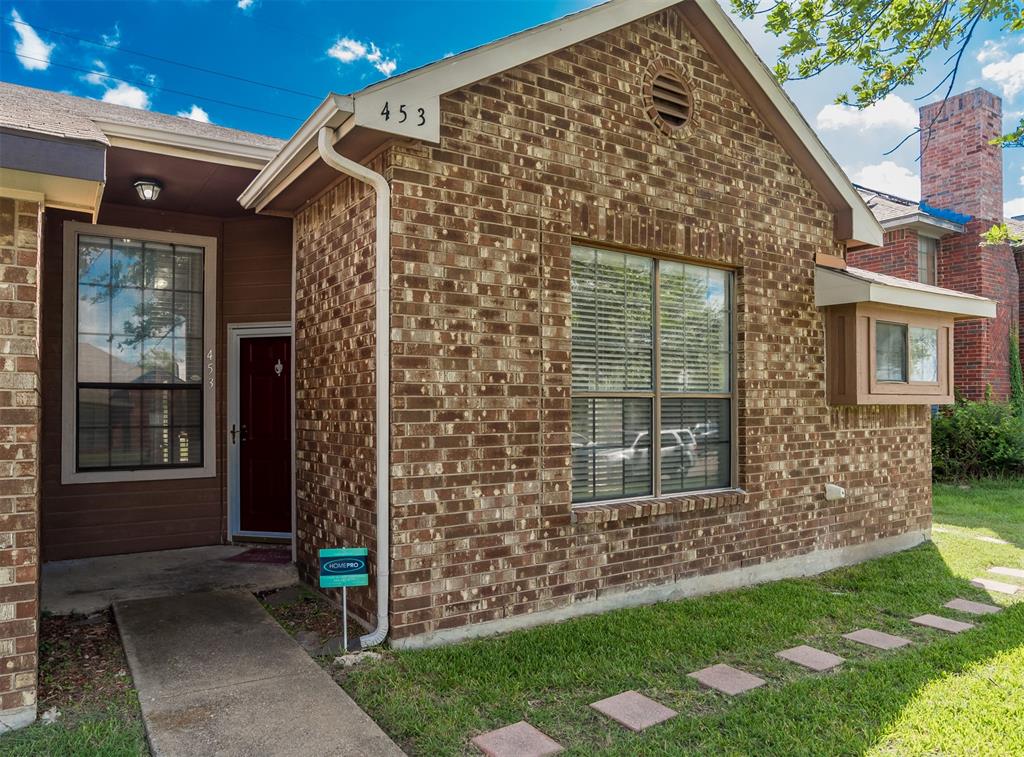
962,171
19,488
334,379
557,150
897,257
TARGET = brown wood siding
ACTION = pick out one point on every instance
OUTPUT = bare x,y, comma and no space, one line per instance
82,520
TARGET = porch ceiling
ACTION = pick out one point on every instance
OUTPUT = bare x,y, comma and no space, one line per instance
189,186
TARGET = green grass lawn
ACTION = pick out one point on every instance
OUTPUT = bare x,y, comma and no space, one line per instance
943,695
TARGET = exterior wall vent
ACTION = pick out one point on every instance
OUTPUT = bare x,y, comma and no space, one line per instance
669,99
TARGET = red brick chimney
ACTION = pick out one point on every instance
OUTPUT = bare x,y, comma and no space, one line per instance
961,171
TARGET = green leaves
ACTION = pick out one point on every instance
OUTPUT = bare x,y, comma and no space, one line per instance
888,41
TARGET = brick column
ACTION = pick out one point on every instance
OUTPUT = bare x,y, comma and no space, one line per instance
19,484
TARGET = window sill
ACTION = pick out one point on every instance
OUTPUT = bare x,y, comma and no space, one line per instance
623,510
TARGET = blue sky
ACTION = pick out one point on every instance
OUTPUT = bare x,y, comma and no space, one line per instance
315,47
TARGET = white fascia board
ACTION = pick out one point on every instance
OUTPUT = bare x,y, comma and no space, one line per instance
866,229
164,142
924,223
833,287
332,112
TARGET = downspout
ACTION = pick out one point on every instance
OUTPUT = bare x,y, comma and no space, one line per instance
380,186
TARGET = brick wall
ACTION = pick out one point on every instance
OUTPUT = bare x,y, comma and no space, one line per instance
981,346
19,422
556,150
960,169
896,257
334,379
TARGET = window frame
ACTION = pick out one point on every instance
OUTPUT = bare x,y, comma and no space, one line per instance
932,254
909,322
69,358
656,394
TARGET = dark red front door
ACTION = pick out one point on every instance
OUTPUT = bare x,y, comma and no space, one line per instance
265,434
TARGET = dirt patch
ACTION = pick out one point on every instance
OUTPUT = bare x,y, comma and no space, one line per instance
81,662
307,616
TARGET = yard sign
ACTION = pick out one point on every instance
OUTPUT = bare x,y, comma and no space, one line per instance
343,567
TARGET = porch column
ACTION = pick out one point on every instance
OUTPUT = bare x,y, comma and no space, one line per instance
20,232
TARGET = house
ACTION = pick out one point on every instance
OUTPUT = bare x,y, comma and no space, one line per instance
938,240
506,273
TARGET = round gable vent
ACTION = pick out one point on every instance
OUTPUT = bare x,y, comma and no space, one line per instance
669,99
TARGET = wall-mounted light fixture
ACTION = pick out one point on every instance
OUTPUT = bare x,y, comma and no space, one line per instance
148,189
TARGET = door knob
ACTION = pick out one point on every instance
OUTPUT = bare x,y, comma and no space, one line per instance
234,433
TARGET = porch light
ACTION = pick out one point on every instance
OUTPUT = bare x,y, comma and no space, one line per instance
148,189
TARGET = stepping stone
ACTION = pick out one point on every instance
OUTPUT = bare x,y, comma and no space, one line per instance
941,623
634,710
972,608
727,679
876,639
998,586
517,740
287,596
1011,572
812,658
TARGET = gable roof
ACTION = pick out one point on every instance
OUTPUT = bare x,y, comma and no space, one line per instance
55,114
422,88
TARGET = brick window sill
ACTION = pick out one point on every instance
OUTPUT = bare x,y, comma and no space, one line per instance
645,508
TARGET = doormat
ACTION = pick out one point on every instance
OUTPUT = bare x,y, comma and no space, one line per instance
263,555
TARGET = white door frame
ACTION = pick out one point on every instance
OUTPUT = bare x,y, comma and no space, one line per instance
236,333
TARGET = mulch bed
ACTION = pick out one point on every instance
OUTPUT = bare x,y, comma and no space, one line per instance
81,662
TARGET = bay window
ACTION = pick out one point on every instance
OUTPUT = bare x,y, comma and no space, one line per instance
138,355
652,359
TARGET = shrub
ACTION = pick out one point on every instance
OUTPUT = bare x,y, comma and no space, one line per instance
972,440
1016,373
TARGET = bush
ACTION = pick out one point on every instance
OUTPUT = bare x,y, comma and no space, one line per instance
972,440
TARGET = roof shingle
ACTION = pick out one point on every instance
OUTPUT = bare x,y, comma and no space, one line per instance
60,115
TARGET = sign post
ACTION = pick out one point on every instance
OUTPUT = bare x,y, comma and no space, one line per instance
341,568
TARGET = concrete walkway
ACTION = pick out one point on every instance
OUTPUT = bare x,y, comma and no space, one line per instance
92,584
216,675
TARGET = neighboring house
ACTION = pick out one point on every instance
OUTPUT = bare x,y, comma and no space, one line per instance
938,240
508,273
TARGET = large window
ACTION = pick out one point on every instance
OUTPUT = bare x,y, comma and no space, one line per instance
138,356
927,260
651,358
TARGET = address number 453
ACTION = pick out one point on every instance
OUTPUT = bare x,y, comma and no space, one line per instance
402,115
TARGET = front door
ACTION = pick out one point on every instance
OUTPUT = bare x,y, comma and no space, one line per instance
264,435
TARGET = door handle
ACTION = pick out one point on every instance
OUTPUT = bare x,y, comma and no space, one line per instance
234,433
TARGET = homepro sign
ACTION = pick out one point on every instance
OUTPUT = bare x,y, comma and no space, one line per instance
343,567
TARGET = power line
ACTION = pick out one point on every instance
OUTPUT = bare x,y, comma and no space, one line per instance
170,61
147,85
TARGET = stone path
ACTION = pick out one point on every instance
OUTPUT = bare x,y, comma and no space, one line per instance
217,675
637,712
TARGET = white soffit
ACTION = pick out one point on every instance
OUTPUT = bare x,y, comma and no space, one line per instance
53,191
835,287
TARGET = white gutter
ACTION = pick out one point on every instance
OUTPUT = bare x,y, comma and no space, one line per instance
325,144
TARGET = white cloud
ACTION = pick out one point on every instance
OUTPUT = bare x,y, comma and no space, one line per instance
126,94
348,50
1014,207
889,177
114,38
893,111
96,76
1007,73
196,114
245,4
991,51
36,52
